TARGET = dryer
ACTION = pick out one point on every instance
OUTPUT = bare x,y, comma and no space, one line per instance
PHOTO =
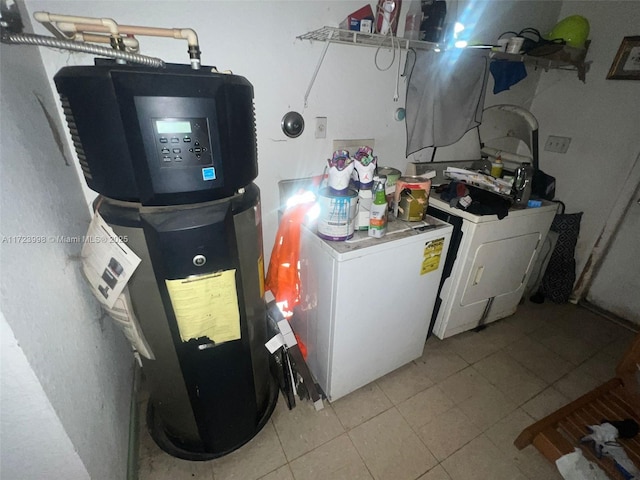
488,265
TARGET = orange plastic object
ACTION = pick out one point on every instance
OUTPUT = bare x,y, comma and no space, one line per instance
283,277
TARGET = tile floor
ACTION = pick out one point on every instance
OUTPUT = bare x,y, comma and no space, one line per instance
450,415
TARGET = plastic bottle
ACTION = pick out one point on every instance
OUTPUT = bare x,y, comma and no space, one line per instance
496,167
378,214
413,21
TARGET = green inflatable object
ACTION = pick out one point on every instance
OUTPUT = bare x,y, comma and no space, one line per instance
574,30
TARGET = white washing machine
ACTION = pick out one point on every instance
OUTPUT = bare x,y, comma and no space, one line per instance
367,302
488,265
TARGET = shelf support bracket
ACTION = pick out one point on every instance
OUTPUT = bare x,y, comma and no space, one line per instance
315,73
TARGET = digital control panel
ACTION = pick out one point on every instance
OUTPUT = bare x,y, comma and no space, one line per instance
182,142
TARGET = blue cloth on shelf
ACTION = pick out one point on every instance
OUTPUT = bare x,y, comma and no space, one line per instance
506,73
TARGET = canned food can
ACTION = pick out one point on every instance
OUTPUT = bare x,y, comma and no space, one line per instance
411,198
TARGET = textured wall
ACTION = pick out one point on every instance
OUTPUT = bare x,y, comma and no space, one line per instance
81,361
34,443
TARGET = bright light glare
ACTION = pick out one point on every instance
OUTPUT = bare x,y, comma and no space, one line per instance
457,28
300,199
437,50
460,44
313,213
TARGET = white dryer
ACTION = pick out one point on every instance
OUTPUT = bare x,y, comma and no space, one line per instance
488,264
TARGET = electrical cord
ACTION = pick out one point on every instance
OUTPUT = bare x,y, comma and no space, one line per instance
395,43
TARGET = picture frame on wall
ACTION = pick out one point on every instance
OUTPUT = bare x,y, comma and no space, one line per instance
626,64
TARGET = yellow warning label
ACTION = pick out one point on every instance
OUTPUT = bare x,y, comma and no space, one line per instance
206,306
431,255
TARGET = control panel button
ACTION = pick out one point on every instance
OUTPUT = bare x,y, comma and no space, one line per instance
197,150
198,155
163,140
196,143
186,139
191,150
178,158
176,150
166,159
204,149
165,151
175,140
199,260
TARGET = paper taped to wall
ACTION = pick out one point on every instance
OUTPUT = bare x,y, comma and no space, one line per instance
206,306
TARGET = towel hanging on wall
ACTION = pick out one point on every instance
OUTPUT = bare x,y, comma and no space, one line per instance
445,96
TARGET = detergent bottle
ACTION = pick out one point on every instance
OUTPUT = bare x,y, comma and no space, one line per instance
378,214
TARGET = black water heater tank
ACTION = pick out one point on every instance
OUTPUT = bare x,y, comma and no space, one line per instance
172,151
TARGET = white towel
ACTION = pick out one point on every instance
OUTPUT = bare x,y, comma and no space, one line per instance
445,96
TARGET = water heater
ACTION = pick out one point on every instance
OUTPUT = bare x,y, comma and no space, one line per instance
172,152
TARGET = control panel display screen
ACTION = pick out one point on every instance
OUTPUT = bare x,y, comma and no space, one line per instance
173,126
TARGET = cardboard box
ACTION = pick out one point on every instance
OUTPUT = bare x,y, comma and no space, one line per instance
361,20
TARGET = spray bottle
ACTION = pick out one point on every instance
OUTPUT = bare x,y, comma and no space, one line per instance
378,214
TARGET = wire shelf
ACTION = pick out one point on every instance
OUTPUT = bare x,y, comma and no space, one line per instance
352,37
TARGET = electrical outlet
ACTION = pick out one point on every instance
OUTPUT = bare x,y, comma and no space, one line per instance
557,144
321,127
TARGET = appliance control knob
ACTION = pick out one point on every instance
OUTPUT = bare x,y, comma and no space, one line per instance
199,260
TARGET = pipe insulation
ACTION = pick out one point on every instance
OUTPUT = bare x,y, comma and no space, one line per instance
43,41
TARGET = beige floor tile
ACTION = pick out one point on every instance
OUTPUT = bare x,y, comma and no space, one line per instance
498,367
302,429
529,461
516,382
619,346
425,406
447,433
540,360
283,473
566,345
575,384
335,460
545,403
464,385
487,407
480,459
253,460
361,405
390,449
439,363
473,346
165,467
404,383
525,320
436,473
590,327
601,366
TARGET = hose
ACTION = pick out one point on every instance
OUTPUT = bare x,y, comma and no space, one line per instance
40,40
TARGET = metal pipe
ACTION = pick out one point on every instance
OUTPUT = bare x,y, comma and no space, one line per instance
32,39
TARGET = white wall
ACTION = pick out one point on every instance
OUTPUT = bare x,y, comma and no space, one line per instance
257,39
601,116
82,363
35,445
